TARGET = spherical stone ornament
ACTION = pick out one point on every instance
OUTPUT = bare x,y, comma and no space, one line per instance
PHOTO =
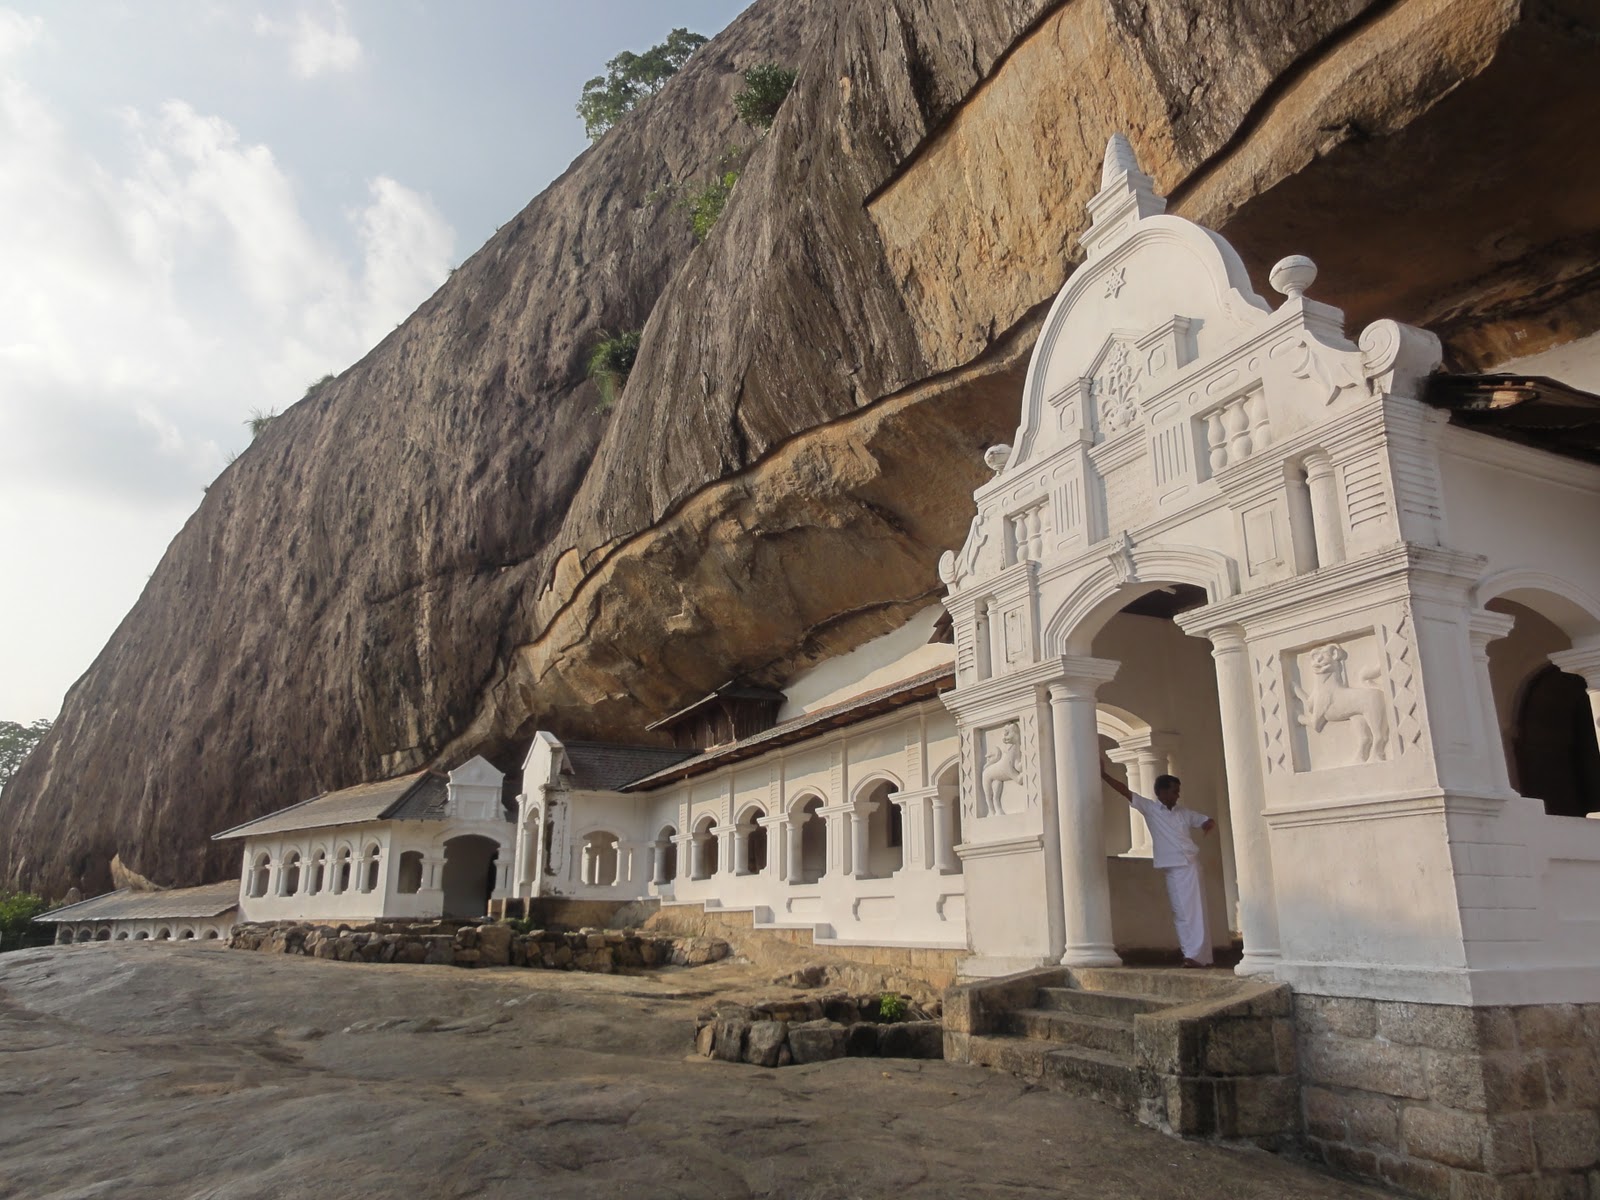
1293,275
995,457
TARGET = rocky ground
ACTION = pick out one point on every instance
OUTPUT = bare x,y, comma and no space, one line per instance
195,1072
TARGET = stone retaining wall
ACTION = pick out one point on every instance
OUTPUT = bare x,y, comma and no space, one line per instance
781,1033
1454,1103
447,943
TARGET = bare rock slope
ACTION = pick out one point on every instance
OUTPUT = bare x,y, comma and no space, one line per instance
450,544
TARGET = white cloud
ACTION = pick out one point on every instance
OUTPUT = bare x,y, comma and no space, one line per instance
317,45
146,308
18,32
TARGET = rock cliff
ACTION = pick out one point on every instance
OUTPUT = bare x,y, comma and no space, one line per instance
451,544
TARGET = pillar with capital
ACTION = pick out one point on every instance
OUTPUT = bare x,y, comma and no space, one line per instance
777,864
1252,848
1086,886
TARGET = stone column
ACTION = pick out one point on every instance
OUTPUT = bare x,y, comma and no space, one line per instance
857,816
1326,517
944,854
741,848
840,837
1122,835
541,852
1258,904
502,879
697,856
777,846
793,871
658,863
1085,884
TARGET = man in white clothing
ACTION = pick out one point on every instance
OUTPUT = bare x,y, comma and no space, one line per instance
1175,855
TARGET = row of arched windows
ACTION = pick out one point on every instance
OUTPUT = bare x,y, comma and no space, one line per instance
297,877
164,933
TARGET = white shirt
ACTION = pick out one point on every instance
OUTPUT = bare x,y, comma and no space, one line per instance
1169,831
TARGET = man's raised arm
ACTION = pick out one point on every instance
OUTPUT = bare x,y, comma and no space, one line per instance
1118,786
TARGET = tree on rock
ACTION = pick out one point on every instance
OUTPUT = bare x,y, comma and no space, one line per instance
15,743
765,87
630,77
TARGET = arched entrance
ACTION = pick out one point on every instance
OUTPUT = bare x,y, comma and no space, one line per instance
470,862
813,836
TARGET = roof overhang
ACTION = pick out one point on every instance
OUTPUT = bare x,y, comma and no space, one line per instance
1532,410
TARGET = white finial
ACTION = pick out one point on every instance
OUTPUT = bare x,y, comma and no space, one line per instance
995,458
1293,275
1119,159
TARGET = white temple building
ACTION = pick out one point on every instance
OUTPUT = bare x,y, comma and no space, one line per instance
205,913
420,846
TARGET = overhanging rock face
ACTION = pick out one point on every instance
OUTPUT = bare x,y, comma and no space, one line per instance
449,545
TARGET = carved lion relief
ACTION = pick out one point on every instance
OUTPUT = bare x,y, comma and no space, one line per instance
1332,699
1002,764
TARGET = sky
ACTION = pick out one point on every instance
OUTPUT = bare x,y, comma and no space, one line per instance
204,208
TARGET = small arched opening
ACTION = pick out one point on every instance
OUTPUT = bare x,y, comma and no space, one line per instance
885,840
319,873
289,877
705,848
186,936
469,874
751,856
408,879
600,859
371,860
343,870
260,875
102,935
163,934
142,936
122,935
666,850
85,935
1547,719
212,935
813,834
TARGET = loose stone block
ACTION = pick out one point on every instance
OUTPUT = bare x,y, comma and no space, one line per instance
494,945
705,1039
1566,1141
1425,1179
764,1041
816,1041
1336,1014
1444,1136
730,1037
1456,1080
1367,1066
1436,1026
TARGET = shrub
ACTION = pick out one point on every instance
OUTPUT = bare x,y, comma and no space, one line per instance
609,364
891,1007
630,77
706,205
765,87
259,421
17,910
313,389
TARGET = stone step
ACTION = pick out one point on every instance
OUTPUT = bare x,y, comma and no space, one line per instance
1096,1074
1122,1005
1175,985
1072,1029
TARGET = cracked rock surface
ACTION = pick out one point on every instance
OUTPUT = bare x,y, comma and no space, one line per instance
193,1072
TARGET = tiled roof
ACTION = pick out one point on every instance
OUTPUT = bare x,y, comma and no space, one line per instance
208,900
798,729
420,796
604,767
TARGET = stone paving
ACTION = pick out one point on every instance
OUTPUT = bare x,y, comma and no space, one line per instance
194,1072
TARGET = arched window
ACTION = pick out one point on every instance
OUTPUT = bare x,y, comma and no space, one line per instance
369,867
122,935
186,936
666,855
212,935
705,848
85,935
319,873
163,934
341,872
260,875
601,859
750,853
812,832
884,838
142,936
103,935
289,876
408,882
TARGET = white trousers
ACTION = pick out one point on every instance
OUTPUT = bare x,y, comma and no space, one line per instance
1188,911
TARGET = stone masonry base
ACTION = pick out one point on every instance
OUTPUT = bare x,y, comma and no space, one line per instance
1454,1103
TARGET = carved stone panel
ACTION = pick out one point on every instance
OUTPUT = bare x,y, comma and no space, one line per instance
1342,710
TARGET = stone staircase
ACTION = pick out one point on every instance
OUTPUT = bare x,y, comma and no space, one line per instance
1200,1053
